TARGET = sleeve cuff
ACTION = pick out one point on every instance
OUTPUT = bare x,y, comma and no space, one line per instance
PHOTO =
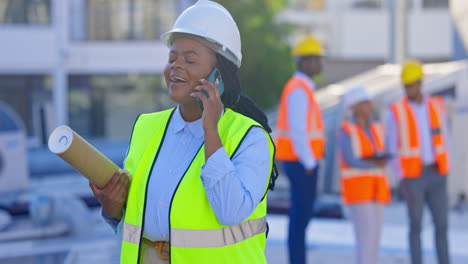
114,223
310,164
217,166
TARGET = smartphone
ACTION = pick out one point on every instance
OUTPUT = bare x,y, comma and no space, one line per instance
215,74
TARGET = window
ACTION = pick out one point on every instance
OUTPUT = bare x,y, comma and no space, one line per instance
31,97
368,4
106,106
308,4
435,3
25,12
129,19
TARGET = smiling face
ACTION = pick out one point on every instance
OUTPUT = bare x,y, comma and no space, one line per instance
311,65
189,61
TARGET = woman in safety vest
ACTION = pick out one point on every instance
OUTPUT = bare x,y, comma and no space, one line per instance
363,181
200,171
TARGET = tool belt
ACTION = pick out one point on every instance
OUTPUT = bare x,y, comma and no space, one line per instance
161,247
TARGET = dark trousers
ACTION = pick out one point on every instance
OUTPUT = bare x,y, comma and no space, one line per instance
303,192
431,189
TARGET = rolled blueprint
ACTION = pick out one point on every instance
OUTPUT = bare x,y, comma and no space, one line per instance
82,156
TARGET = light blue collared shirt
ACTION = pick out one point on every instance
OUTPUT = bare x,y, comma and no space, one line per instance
346,149
234,187
424,129
297,118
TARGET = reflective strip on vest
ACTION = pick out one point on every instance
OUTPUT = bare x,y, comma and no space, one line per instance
440,149
356,145
360,185
131,233
310,135
380,131
439,110
408,152
355,141
354,134
189,241
314,123
405,150
440,114
355,172
210,238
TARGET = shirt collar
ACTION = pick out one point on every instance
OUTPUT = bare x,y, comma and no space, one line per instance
179,124
423,103
306,78
352,119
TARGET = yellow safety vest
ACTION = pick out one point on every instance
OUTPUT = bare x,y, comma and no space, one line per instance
195,234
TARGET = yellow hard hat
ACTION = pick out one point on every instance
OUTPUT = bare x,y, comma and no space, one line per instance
412,71
307,46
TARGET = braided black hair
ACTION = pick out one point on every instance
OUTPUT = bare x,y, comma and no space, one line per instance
234,98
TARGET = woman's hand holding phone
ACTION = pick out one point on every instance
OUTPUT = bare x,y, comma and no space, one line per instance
213,107
212,104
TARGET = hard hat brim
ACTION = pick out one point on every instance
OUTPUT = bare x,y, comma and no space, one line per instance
168,38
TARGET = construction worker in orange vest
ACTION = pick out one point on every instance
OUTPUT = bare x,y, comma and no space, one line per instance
416,129
300,141
364,184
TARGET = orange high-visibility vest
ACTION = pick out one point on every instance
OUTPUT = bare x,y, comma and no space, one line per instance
315,127
409,145
364,185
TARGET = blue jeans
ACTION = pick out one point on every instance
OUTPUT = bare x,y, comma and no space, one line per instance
303,192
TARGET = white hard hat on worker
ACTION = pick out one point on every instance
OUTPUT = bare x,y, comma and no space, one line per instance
211,24
355,96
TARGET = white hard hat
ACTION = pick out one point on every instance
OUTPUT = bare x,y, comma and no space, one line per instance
354,96
212,22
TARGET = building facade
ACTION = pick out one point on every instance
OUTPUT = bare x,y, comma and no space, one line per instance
91,64
362,29
96,64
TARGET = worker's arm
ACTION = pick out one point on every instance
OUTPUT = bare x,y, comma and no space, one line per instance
297,118
346,151
112,198
235,187
391,143
114,195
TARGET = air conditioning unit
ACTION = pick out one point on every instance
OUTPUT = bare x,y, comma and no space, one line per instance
14,175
